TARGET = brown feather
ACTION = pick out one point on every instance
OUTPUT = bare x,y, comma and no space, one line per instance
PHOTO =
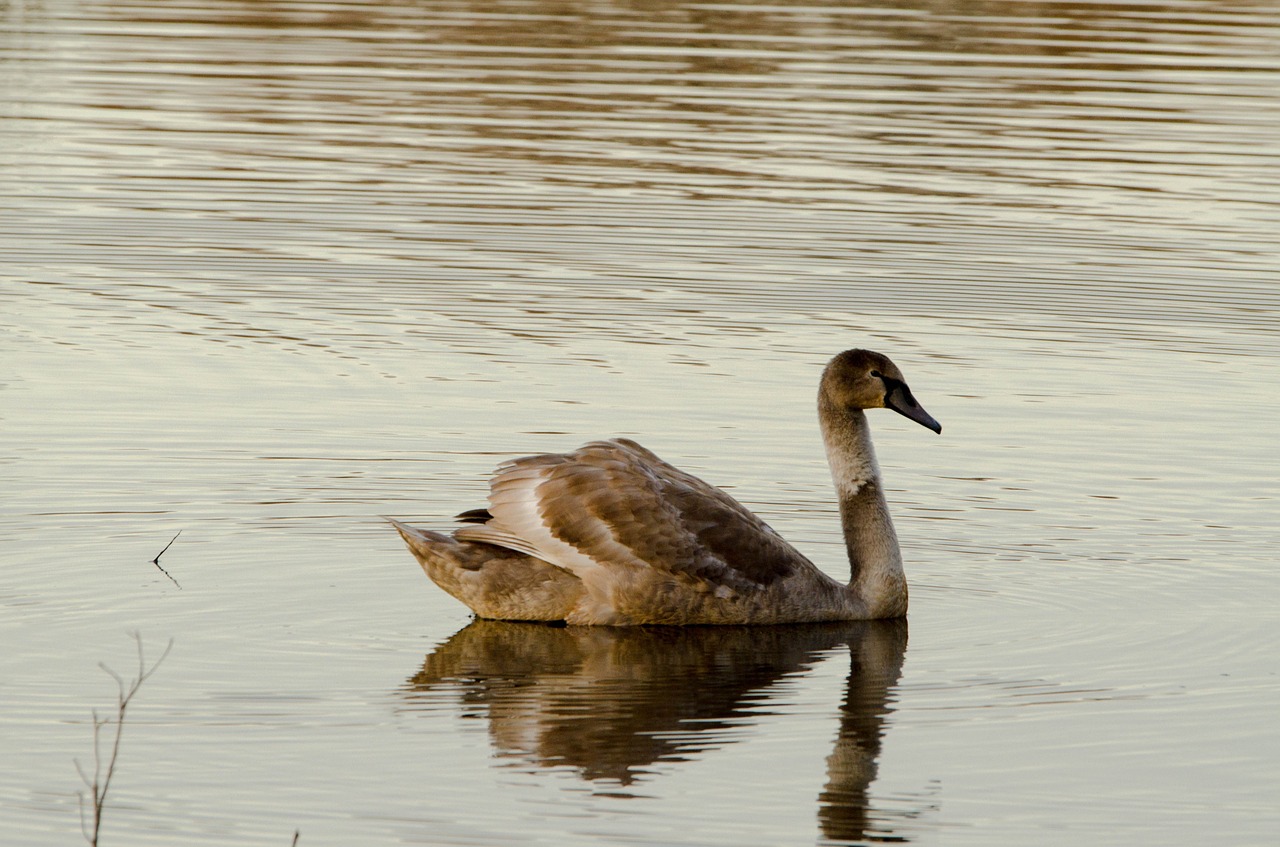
616,501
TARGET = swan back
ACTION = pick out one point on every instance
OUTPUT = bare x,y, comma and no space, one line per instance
615,504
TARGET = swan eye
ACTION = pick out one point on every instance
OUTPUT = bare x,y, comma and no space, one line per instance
877,374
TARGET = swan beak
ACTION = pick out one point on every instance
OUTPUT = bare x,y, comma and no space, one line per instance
899,398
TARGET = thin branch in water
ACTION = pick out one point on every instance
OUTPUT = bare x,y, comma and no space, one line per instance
295,837
156,560
104,769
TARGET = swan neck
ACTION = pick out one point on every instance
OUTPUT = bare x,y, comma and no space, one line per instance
875,561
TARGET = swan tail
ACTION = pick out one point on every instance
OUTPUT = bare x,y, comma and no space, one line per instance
494,582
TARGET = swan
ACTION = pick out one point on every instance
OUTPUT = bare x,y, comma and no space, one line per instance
610,534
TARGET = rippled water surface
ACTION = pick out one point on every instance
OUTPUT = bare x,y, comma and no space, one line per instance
269,270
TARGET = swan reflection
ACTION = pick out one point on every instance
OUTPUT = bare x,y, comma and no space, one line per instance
611,702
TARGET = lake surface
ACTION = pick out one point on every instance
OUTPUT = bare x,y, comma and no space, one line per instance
270,270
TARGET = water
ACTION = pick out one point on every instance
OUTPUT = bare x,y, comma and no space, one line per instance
270,271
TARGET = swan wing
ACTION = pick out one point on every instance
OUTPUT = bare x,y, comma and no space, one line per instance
614,505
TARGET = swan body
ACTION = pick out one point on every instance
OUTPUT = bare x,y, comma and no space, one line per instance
610,534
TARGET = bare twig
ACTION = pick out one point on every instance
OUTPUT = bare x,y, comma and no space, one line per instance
295,837
156,560
103,770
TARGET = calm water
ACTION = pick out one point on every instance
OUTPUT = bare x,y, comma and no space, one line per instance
269,270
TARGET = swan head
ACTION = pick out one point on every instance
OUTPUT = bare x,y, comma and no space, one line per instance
863,379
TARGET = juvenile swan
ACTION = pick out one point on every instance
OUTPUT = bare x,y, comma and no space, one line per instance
612,535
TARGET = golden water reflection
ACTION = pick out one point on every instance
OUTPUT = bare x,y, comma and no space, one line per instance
252,173
610,703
